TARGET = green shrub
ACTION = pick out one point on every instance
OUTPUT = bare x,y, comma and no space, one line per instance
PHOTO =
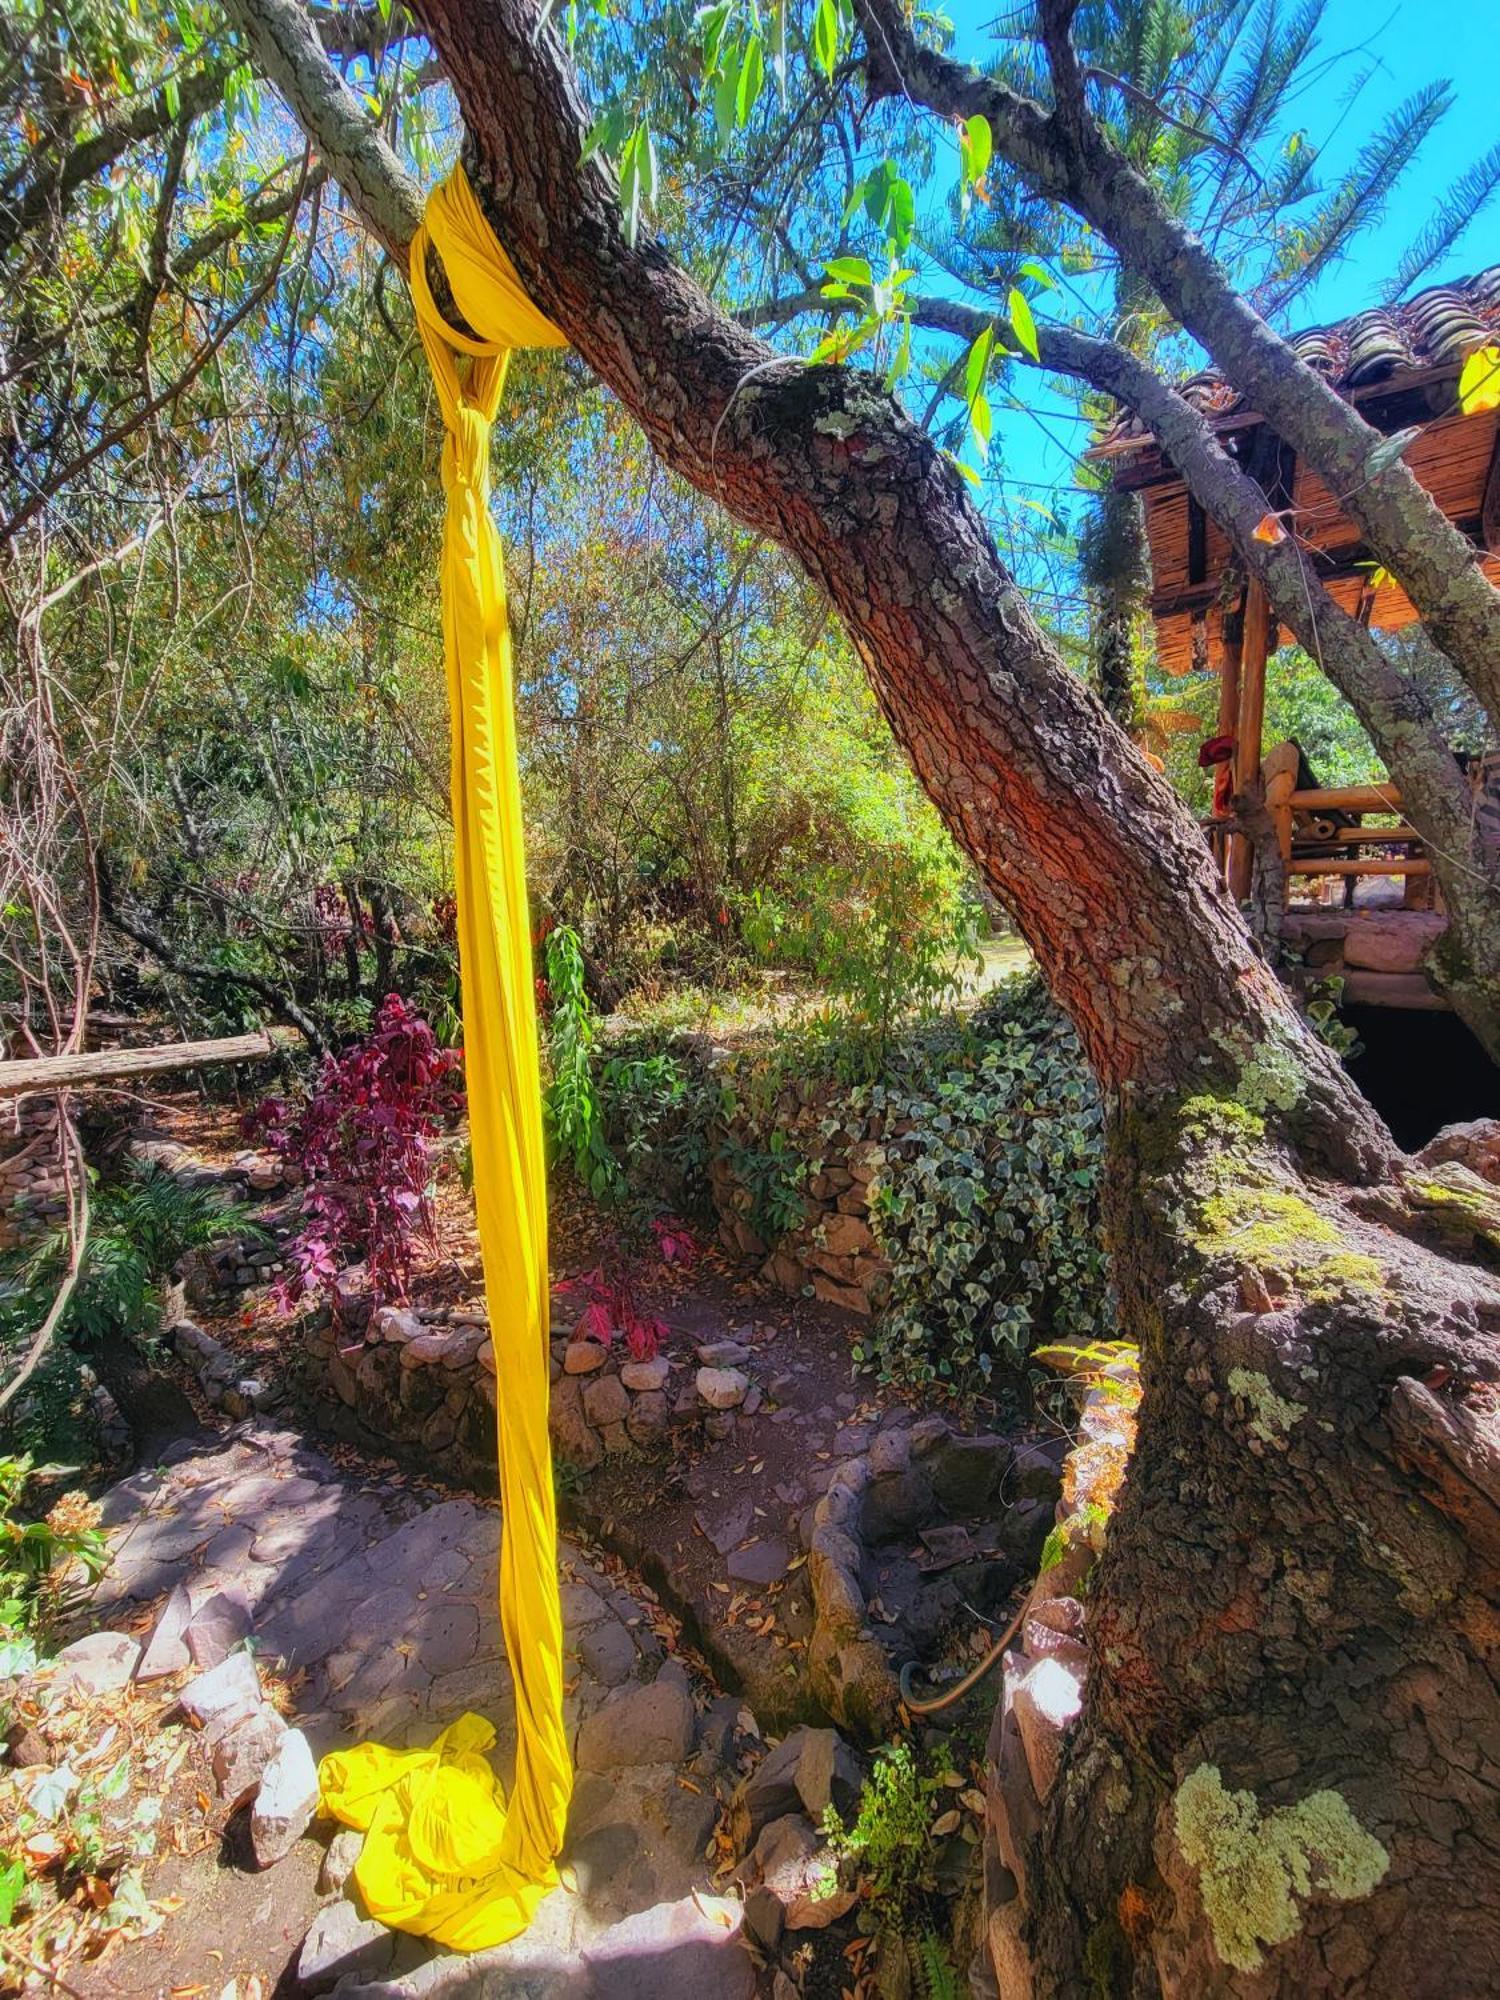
987,1210
36,1562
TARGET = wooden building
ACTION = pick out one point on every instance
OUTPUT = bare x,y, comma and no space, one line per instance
1400,366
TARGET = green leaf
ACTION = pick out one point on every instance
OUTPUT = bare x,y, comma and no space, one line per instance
604,135
977,367
172,93
12,1882
1023,323
981,422
727,94
825,37
752,79
779,46
851,270
976,148
1039,275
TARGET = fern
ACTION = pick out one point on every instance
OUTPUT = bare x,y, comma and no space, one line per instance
936,1978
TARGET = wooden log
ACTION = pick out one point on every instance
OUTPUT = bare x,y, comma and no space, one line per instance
1368,836
115,1065
1348,798
1370,865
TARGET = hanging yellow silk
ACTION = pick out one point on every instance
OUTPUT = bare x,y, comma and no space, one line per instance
443,1855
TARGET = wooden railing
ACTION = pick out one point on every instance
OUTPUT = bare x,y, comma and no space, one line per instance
1315,826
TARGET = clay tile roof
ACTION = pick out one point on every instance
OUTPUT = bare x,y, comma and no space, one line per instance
1434,331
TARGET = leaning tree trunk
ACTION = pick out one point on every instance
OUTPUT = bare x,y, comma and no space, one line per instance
1115,567
1296,1602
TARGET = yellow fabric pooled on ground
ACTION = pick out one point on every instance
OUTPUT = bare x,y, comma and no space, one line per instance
444,1856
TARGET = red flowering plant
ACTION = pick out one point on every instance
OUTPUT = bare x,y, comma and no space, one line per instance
363,1144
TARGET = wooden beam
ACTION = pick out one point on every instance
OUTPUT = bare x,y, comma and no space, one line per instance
1370,865
1347,798
112,1065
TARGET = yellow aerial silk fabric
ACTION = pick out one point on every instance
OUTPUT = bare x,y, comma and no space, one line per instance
442,1854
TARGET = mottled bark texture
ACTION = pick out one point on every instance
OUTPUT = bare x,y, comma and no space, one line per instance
1298,1589
1297,1603
1116,570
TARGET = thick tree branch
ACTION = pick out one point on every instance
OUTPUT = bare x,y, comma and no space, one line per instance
1069,158
1087,845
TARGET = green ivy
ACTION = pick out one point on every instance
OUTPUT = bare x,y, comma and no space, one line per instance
987,1210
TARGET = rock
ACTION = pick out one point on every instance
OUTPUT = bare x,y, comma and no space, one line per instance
217,1700
646,1376
927,1433
341,1942
1391,941
608,1652
828,1774
761,1563
286,1801
966,1472
726,1525
243,1754
220,1623
605,1401
576,1441
723,1353
338,1862
166,1651
396,1325
895,1504
674,1951
100,1663
1023,1530
1035,1474
765,1919
722,1388
790,1861
582,1357
807,1771
890,1453
642,1725
649,1418
1045,1702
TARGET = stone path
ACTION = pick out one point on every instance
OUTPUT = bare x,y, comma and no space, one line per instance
381,1607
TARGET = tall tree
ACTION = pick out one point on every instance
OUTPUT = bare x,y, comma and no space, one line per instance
1295,1600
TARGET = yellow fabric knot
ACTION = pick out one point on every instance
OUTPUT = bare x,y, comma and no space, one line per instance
444,1854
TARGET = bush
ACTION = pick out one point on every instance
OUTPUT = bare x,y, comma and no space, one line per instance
140,1226
37,1587
362,1143
988,1207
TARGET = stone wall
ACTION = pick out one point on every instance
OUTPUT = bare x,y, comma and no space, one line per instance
832,1251
419,1384
33,1190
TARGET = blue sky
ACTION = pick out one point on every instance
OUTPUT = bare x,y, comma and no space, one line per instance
1406,43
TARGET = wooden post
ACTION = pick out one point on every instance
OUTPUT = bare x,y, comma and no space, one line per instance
1280,771
1231,633
1250,723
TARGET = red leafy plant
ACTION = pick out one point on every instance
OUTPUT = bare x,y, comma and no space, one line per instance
611,1305
363,1143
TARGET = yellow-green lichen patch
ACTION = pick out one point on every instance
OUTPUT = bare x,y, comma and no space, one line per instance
1271,1229
1271,1416
1253,1867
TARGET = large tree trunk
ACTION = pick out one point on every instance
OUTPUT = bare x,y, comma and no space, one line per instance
1296,1604
1285,1599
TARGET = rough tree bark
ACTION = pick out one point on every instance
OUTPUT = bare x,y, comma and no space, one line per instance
1297,1599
